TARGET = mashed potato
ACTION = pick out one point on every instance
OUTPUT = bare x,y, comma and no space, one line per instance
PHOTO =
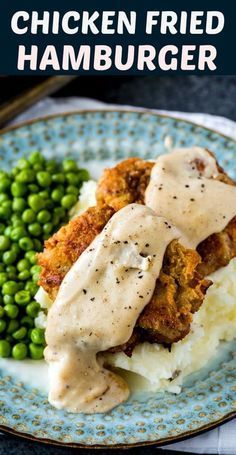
158,369
152,367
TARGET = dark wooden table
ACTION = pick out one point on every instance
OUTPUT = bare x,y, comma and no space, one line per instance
210,94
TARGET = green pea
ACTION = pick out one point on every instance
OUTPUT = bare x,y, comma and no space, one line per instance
9,288
36,157
35,278
32,309
57,194
28,216
37,245
9,257
60,212
5,183
35,229
5,211
25,176
11,269
31,287
55,219
47,228
36,351
83,175
51,166
3,278
19,351
12,326
69,165
15,247
31,257
3,325
36,202
14,171
44,178
18,189
37,336
17,233
72,178
58,178
27,321
72,189
26,244
33,188
18,204
35,269
4,243
8,299
20,334
23,164
3,197
5,348
7,231
11,275
43,216
7,205
11,311
23,264
22,297
2,312
24,275
44,194
68,201
38,167
15,218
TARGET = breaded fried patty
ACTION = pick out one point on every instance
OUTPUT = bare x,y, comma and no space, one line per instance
179,292
180,288
127,182
65,247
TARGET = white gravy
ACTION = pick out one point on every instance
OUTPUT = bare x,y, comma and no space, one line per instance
197,204
97,306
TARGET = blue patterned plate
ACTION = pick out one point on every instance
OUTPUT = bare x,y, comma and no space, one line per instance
210,397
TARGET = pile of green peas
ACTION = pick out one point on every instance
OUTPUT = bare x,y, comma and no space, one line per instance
35,200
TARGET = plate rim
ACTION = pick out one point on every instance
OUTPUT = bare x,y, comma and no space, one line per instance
166,440
112,110
157,443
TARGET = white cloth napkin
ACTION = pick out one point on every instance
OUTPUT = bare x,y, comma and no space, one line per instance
222,440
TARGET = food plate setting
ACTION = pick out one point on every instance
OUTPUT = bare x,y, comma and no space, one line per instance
96,140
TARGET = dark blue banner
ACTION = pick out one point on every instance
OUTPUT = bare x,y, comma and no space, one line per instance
119,37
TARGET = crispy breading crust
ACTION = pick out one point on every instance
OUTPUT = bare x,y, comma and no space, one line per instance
125,183
64,247
179,292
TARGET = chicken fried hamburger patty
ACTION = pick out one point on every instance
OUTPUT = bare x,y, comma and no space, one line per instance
64,248
179,292
126,183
